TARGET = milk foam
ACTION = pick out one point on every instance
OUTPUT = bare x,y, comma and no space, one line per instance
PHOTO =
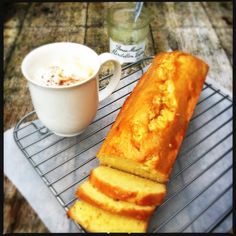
63,73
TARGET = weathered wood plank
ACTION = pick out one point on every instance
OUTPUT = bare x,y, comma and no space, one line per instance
225,36
219,13
221,17
163,40
186,14
149,50
9,37
14,14
97,13
56,14
202,42
31,38
13,18
177,14
97,39
158,14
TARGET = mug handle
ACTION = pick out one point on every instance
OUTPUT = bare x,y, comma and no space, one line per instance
115,78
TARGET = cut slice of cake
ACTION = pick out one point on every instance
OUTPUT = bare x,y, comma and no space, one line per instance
96,220
88,193
127,187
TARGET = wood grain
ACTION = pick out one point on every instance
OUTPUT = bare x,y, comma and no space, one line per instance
95,18
56,15
219,13
204,29
225,36
186,14
13,21
221,17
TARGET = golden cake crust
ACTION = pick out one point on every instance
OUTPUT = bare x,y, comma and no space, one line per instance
152,122
120,193
140,213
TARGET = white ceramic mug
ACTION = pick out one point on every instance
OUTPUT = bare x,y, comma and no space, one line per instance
68,110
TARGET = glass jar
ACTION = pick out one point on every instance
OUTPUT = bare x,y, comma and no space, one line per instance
127,37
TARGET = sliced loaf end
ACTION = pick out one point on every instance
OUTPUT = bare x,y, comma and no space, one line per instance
96,220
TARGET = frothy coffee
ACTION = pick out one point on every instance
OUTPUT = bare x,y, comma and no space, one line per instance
63,74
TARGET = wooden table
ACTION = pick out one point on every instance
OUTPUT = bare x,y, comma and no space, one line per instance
204,29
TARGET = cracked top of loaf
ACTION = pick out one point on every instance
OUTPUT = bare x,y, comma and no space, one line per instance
150,127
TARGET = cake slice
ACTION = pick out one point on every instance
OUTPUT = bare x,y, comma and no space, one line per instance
88,193
127,187
96,220
149,129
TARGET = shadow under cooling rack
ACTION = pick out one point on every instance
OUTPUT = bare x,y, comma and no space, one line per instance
199,195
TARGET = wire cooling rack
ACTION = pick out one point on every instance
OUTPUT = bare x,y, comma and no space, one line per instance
199,195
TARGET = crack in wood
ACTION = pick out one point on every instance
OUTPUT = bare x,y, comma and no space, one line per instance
86,22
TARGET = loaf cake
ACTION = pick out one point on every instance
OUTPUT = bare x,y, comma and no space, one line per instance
127,187
96,220
140,149
88,193
148,131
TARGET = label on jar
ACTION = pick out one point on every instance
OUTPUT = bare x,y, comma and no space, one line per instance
127,53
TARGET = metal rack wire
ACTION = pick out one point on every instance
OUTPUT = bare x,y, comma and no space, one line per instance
199,195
